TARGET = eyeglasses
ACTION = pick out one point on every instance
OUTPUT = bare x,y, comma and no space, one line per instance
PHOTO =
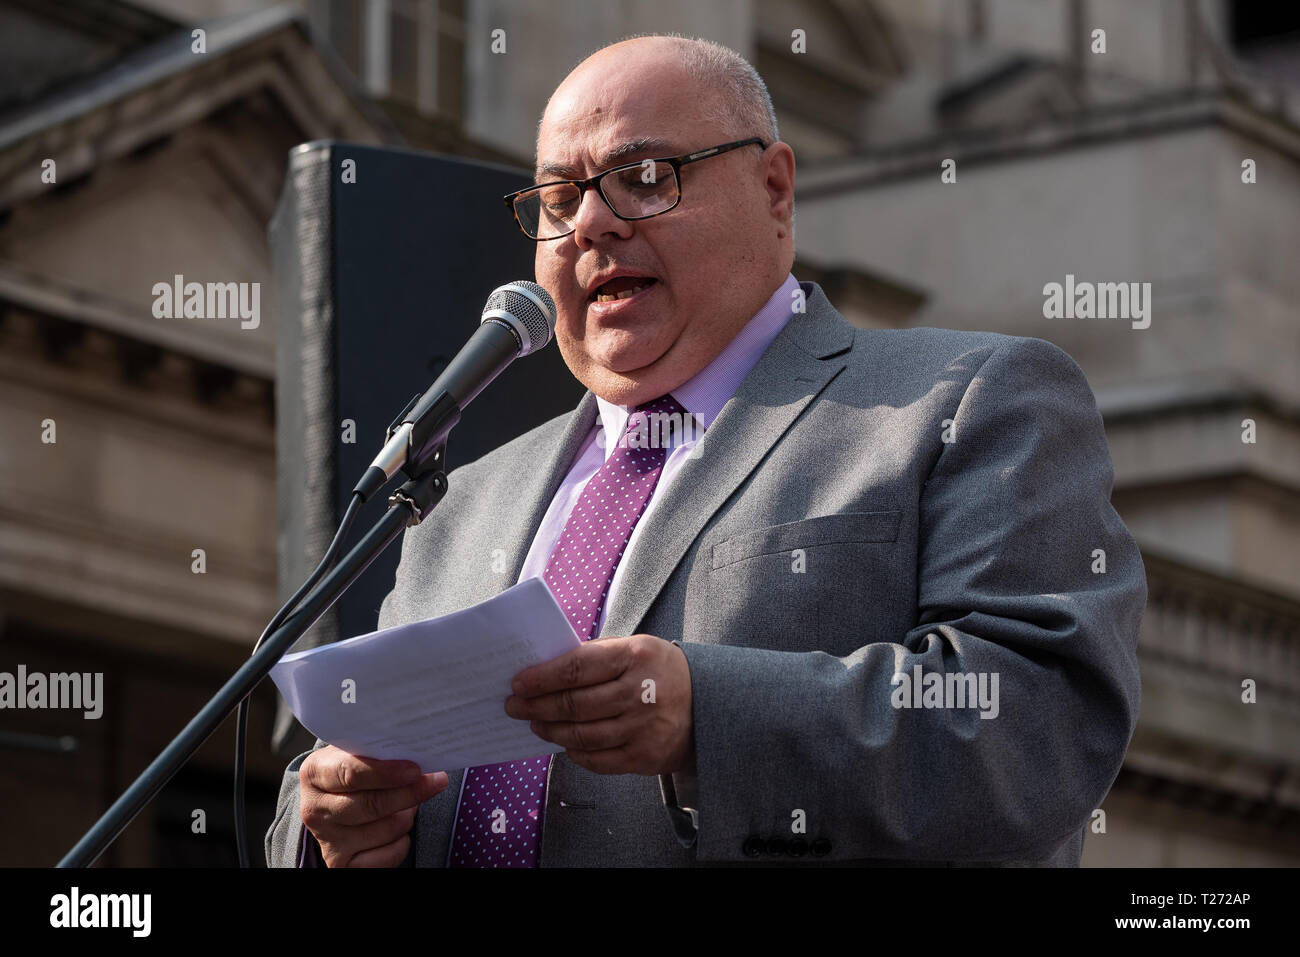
638,190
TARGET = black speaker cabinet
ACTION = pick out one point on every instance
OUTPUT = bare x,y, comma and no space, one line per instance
383,260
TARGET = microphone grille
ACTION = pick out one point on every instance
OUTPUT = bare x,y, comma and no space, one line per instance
528,308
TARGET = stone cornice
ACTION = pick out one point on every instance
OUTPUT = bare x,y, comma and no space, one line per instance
50,302
1150,116
1202,393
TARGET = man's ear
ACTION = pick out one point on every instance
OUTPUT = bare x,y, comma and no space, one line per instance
779,182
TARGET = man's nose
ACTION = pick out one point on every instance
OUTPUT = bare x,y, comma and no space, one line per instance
595,219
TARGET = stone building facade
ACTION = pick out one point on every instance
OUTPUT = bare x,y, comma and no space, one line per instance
955,160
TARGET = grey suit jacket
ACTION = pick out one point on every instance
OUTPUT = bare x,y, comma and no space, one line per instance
867,502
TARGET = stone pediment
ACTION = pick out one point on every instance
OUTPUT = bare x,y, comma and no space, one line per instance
169,164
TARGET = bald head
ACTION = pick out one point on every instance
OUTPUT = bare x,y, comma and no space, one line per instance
736,98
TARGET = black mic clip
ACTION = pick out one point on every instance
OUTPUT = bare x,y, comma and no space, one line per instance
392,426
394,452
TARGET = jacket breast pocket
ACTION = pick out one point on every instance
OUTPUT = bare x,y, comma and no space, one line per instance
832,583
845,528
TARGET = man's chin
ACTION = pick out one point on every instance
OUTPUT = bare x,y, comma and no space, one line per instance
632,363
617,374
630,387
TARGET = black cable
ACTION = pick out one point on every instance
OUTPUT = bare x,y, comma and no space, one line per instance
241,721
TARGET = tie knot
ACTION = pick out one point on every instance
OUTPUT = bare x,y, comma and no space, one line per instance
652,424
665,404
664,413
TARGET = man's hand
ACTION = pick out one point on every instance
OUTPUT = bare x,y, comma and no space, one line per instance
361,810
618,705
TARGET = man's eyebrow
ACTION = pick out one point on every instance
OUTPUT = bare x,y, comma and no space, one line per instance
647,144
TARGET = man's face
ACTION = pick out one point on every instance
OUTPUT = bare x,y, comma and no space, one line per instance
709,264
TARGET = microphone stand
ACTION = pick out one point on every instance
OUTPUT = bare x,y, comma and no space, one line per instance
406,507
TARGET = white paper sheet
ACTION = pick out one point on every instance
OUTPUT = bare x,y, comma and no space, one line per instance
434,691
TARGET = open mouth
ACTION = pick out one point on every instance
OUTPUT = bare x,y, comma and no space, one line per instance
623,287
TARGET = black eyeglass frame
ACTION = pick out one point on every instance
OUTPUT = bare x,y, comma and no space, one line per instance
676,162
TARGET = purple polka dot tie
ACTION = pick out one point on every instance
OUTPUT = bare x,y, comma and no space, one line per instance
499,823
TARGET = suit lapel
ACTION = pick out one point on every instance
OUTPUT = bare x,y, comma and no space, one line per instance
796,367
538,486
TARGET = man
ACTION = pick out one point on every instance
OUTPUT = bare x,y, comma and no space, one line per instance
880,610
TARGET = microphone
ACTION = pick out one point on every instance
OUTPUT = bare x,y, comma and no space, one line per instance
518,319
